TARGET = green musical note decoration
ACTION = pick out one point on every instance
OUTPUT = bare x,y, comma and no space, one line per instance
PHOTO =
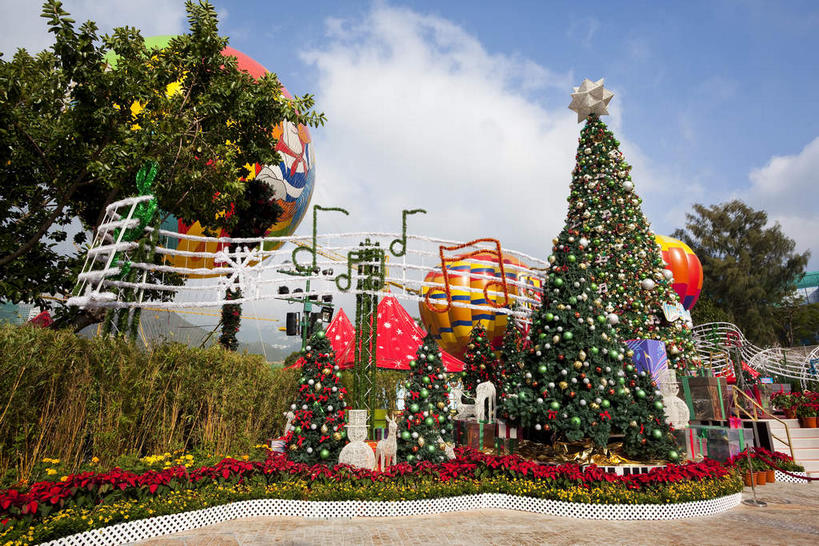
403,240
308,270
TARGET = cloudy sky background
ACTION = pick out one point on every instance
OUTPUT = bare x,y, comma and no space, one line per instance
461,107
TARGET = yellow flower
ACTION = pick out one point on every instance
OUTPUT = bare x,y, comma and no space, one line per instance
50,471
95,460
64,479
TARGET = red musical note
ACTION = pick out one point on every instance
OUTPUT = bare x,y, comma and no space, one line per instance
497,252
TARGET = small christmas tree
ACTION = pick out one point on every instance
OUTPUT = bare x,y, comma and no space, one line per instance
511,356
426,423
318,426
479,361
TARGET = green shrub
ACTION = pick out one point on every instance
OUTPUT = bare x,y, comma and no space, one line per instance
70,398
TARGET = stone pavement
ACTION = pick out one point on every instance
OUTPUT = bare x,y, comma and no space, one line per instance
791,517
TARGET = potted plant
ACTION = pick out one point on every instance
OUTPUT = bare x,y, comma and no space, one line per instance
787,402
807,414
760,471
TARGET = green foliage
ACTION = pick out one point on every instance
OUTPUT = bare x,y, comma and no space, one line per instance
72,399
70,144
480,364
749,268
318,427
706,310
426,421
797,322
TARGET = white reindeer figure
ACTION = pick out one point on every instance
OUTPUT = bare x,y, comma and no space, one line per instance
485,391
464,410
386,449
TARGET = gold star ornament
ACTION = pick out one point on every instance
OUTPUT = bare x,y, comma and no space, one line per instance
590,98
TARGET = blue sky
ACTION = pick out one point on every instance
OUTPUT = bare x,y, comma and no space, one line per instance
461,107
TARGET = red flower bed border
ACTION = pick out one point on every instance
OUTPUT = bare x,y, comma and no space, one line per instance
91,488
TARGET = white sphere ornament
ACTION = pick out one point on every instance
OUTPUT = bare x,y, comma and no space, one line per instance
668,274
628,185
612,318
647,284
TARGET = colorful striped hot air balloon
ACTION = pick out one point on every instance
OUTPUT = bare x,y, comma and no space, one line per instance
685,266
451,328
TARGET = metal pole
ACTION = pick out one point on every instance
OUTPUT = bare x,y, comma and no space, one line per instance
741,381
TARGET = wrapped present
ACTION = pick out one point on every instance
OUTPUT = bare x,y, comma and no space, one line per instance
480,436
650,357
704,397
277,445
506,439
692,444
723,442
379,419
379,433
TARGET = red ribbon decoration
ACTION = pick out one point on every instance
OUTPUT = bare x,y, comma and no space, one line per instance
605,415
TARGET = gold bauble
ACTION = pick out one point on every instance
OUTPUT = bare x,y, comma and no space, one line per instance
441,405
324,429
293,447
595,405
421,441
317,386
577,364
563,385
326,371
581,355
336,436
555,339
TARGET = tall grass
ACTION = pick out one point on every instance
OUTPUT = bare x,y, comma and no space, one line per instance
66,397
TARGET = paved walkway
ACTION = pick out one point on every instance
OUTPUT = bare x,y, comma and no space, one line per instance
791,517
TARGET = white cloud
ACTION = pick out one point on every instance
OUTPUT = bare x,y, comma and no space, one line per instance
786,187
22,25
421,115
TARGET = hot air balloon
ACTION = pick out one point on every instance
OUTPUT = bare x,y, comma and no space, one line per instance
451,328
292,179
685,267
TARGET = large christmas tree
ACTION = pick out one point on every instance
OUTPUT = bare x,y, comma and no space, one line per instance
621,255
480,364
579,382
426,422
318,427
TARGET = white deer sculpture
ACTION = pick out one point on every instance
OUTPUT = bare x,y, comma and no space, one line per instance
386,449
483,392
464,410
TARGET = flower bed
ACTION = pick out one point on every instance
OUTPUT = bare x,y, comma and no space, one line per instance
74,503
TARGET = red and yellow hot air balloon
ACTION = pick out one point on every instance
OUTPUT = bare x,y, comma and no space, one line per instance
480,272
686,268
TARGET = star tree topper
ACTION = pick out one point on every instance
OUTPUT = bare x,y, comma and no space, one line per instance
590,98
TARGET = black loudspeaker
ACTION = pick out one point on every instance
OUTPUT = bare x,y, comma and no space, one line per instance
292,324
